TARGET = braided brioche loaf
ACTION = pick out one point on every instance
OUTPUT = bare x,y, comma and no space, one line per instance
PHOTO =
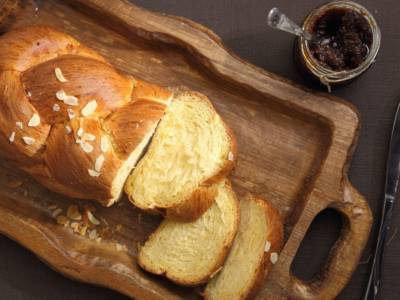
69,118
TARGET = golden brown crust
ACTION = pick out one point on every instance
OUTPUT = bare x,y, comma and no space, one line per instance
37,44
54,152
122,125
193,207
87,79
16,108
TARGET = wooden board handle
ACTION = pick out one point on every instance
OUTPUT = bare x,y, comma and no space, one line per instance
355,214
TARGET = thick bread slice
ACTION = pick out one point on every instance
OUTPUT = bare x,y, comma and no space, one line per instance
191,150
190,253
253,252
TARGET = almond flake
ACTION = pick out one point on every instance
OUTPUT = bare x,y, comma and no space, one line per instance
62,220
19,124
104,145
73,213
86,147
60,75
61,95
79,132
88,137
71,100
68,129
99,163
56,107
29,94
56,212
93,234
89,108
28,140
92,218
267,246
71,113
273,258
34,121
93,173
231,156
12,137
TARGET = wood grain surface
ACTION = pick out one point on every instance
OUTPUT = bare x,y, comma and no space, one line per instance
294,149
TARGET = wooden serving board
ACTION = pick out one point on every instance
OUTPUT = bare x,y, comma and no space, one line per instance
294,149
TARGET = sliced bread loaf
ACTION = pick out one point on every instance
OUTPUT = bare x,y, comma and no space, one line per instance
189,253
191,150
254,250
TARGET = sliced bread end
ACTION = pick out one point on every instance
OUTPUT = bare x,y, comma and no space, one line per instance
254,251
189,253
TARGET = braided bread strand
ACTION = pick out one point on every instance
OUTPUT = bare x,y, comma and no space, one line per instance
69,118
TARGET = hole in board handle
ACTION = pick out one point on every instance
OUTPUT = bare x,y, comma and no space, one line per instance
314,250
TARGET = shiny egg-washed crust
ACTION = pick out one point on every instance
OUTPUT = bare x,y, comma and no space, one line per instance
203,196
127,112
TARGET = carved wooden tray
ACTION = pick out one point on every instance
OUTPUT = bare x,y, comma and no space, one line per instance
294,148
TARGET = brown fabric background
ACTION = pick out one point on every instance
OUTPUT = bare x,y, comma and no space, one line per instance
242,26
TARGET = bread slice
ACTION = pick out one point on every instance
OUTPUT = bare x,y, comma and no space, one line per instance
189,253
191,150
254,250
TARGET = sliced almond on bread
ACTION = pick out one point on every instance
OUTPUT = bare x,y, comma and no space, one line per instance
191,150
254,251
190,253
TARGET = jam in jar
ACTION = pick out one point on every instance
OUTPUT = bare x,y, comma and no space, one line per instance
342,39
346,40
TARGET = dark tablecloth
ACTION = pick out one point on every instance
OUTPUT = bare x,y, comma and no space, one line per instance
242,26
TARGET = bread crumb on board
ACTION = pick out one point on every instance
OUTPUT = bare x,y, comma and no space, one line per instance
83,222
74,213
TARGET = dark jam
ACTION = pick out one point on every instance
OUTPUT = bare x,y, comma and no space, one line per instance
342,39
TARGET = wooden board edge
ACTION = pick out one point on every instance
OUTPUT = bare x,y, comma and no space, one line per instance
125,13
37,238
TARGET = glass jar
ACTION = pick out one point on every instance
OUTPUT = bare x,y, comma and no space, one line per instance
325,75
